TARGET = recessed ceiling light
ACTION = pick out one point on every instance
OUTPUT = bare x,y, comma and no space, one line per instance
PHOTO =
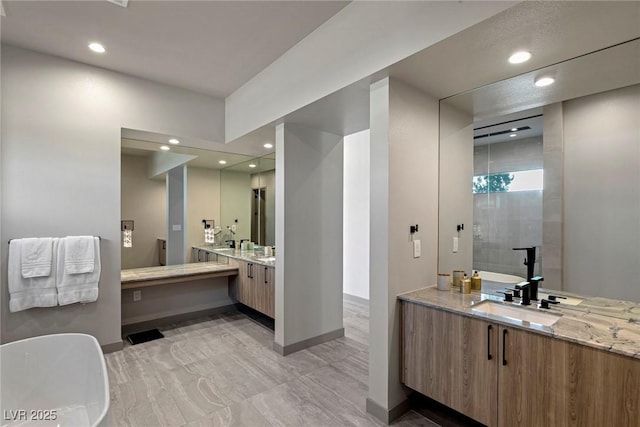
514,129
519,57
174,141
544,81
267,145
252,165
165,148
513,134
97,47
222,162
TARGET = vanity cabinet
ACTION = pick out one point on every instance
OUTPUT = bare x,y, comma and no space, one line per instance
451,359
255,287
503,376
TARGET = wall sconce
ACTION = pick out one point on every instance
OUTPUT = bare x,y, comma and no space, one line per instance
127,233
209,236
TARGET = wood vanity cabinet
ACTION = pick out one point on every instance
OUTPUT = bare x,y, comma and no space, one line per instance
255,287
451,359
529,380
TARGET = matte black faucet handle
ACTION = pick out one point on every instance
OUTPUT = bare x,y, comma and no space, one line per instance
525,287
554,297
516,291
508,297
544,303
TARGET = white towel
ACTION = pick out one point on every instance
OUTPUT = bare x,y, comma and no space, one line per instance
33,291
79,254
81,287
35,256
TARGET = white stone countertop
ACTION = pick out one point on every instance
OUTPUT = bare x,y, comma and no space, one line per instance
256,256
168,271
602,323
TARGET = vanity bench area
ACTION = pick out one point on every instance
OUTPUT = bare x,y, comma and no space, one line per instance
581,369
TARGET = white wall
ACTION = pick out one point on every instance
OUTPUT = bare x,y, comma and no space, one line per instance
203,201
235,193
378,34
356,215
309,171
602,194
61,130
143,201
404,191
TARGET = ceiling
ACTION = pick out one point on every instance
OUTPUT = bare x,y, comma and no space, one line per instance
211,47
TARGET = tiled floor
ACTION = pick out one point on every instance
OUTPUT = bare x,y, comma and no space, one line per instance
222,371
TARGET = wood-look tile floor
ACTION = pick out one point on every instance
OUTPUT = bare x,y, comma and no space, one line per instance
222,371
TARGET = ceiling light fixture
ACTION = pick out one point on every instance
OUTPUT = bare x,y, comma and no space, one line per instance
519,57
165,148
97,47
514,129
267,145
174,141
544,81
252,165
222,162
513,134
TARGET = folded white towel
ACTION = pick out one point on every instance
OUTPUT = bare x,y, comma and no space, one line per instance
79,254
29,292
35,256
82,287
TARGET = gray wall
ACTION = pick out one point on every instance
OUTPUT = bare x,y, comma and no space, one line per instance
235,191
309,173
503,221
404,191
203,200
177,209
456,174
61,130
602,194
143,201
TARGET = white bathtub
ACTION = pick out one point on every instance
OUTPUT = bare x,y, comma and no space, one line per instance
53,380
492,282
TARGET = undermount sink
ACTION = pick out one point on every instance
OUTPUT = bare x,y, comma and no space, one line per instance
266,258
517,313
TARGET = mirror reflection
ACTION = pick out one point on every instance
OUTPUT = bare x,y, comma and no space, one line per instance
556,168
219,189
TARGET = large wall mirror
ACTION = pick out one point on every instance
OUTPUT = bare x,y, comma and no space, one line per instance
554,167
218,187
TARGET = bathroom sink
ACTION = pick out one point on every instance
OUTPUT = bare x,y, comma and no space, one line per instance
525,315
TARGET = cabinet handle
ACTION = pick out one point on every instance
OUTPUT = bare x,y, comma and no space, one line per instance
489,356
249,268
504,347
265,276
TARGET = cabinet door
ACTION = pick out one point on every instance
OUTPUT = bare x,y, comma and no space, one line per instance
452,359
265,290
550,382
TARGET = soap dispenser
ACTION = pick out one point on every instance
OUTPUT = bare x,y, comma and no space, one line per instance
476,281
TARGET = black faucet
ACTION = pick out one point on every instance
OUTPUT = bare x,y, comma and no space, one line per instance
525,288
232,243
529,261
533,290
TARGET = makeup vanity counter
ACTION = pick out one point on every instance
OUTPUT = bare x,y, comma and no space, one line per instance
152,276
581,370
255,256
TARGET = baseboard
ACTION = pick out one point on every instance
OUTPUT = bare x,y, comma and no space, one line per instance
356,299
309,342
178,318
113,347
387,416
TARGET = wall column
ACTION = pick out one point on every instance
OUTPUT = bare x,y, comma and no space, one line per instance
309,175
404,192
176,215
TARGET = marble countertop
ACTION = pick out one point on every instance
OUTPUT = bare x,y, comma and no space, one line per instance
256,256
168,271
602,323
